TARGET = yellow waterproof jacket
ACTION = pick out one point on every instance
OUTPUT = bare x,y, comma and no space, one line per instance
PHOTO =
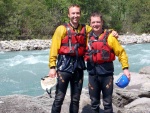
118,50
107,68
59,34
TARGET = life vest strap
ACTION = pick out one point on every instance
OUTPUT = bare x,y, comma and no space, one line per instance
77,44
74,34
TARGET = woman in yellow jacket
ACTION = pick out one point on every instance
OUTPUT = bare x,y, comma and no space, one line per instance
101,51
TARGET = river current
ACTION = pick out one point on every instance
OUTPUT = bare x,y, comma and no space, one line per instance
21,71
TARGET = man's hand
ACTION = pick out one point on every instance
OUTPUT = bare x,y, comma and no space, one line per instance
127,73
115,34
52,73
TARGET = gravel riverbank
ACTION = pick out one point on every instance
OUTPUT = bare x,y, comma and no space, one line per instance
38,44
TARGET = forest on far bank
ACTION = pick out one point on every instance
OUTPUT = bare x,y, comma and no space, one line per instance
30,19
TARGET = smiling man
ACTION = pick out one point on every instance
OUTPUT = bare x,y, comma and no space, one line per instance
101,51
67,49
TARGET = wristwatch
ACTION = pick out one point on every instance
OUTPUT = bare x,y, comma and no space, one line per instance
53,67
125,68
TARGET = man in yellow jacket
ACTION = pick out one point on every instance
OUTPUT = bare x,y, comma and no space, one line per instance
100,54
67,49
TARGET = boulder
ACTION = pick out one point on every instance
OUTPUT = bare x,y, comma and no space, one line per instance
132,99
145,70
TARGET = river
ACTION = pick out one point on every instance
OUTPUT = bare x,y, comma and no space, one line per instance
21,71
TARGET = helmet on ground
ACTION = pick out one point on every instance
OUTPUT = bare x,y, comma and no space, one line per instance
48,83
122,82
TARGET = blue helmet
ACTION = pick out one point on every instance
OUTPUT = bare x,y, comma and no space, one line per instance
122,82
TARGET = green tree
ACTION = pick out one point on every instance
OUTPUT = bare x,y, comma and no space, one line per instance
25,19
7,28
137,16
118,14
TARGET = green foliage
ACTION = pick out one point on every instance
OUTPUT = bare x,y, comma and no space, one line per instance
7,28
23,19
138,16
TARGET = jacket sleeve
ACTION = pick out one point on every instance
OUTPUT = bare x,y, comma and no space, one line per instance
119,51
88,29
59,34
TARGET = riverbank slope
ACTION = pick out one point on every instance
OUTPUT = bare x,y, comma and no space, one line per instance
38,44
135,98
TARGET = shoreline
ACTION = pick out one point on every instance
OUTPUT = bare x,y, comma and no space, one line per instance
24,45
39,44
137,92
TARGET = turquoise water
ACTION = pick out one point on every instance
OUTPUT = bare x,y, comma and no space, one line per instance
20,72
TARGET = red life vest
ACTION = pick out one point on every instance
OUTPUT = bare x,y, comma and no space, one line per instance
98,50
73,44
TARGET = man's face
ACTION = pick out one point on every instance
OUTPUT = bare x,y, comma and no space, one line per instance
96,23
74,15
